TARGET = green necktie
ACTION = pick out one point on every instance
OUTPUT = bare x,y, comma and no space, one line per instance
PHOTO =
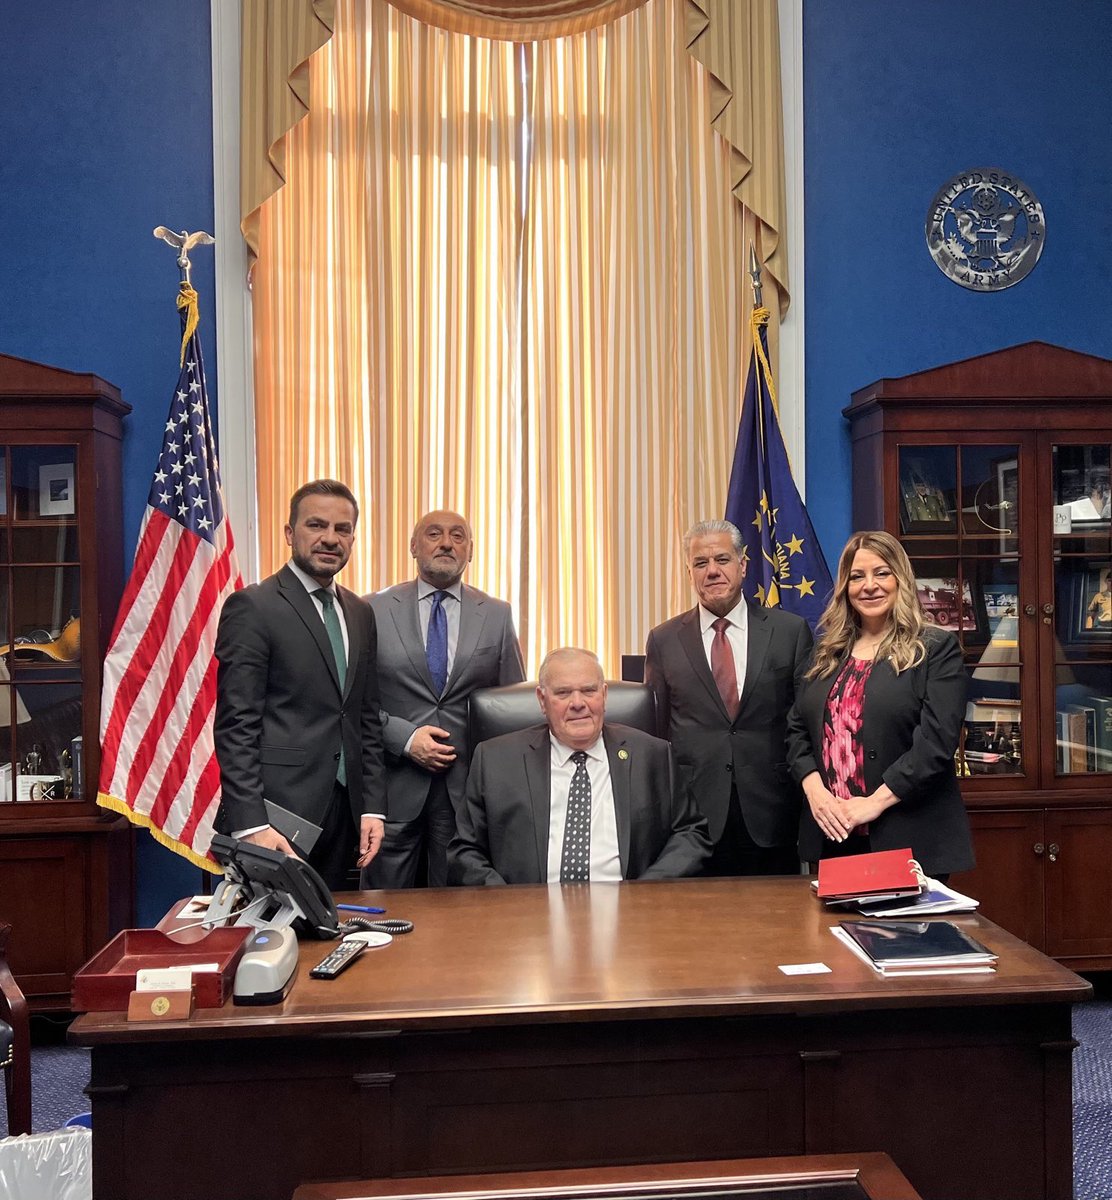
336,638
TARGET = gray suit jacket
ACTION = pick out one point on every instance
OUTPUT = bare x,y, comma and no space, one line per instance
503,824
487,655
714,752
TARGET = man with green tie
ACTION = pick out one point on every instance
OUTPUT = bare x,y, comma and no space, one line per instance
297,709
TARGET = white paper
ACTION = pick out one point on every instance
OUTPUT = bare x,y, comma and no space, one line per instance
806,969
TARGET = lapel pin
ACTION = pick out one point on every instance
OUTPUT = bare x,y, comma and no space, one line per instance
623,754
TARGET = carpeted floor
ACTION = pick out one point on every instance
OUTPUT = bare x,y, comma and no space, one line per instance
59,1073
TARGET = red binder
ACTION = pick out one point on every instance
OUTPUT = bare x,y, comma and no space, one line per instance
883,873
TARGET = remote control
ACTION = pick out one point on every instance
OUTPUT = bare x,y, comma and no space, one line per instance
337,960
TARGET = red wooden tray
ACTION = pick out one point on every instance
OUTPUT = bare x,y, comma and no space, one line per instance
106,981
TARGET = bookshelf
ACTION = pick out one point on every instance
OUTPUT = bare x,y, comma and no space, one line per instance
65,864
994,473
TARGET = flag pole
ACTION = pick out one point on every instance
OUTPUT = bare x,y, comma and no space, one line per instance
754,275
184,242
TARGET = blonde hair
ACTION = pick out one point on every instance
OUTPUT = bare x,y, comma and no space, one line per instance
840,626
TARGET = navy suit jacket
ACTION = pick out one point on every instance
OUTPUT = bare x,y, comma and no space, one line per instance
282,712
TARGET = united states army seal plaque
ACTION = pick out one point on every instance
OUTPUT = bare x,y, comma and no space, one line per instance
985,229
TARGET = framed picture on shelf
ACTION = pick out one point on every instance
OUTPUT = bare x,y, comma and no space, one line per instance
1090,612
924,507
56,498
1001,608
942,607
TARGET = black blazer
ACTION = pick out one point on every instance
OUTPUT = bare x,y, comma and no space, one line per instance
711,750
910,727
503,824
281,710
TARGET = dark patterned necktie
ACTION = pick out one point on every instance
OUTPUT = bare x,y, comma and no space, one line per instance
722,666
336,639
575,858
436,644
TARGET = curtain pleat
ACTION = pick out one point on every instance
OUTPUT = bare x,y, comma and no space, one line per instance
509,279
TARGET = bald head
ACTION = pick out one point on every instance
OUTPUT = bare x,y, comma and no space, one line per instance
442,546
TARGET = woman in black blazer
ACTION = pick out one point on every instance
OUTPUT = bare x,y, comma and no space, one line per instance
875,727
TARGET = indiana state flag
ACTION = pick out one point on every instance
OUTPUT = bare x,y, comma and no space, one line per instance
786,568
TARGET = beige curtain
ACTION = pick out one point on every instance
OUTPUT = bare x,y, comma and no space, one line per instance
509,279
736,40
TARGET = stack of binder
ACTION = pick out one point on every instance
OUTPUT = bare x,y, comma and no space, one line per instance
896,949
881,875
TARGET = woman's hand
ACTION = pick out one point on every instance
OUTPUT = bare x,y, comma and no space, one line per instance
826,808
860,810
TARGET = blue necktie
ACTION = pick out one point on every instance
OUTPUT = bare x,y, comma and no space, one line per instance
336,639
436,645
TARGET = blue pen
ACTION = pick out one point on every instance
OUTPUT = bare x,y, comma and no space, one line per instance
359,908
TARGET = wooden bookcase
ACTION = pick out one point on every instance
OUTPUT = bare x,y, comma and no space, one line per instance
65,864
994,473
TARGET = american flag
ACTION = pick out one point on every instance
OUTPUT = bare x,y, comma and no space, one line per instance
158,762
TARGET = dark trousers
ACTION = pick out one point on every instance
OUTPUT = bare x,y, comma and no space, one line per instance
736,853
416,852
337,848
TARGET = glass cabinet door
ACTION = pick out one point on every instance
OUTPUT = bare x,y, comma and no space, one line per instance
1077,615
960,524
41,710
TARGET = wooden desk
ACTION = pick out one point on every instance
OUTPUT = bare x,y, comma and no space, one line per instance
537,1028
815,1177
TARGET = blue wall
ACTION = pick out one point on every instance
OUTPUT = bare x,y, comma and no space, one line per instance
899,96
105,132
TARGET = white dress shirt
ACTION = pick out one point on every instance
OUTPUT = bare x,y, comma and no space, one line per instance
737,634
606,862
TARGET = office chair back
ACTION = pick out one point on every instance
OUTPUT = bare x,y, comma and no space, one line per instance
494,711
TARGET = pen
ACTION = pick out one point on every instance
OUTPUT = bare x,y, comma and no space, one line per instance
359,908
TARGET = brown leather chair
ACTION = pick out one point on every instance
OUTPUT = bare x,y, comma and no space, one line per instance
15,1043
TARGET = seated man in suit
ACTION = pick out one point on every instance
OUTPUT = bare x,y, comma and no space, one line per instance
575,800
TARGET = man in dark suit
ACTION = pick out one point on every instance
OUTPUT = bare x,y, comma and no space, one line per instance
297,713
575,800
438,641
725,675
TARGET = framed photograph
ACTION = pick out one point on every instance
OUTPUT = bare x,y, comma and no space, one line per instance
924,506
1001,608
1090,615
56,498
943,607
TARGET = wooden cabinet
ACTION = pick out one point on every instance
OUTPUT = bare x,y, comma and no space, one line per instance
65,864
994,472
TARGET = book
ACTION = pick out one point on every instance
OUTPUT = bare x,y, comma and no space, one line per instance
1073,752
1084,722
934,898
905,972
896,944
882,873
1102,707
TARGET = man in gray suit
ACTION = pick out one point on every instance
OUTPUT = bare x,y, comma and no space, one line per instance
438,640
575,800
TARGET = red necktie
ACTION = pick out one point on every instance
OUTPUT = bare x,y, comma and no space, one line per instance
722,666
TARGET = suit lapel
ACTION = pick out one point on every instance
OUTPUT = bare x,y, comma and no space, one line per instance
306,608
620,785
472,614
691,639
404,612
538,775
757,643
